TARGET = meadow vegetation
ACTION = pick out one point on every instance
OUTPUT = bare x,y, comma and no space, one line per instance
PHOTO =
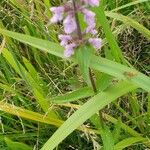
46,101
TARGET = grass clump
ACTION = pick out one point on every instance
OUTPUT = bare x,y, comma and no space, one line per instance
45,103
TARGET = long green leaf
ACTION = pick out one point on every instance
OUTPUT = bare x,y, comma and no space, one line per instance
37,90
128,21
86,111
102,20
83,57
98,63
74,95
128,142
27,114
121,72
46,46
17,145
129,4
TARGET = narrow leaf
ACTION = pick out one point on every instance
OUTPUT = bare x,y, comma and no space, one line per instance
128,142
98,63
86,111
83,56
128,21
16,145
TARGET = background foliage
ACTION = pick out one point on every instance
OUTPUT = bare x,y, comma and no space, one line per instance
40,90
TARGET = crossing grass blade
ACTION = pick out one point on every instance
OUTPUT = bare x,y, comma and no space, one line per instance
123,126
128,142
36,117
129,4
129,21
16,145
111,119
98,63
27,114
37,90
73,96
86,111
102,21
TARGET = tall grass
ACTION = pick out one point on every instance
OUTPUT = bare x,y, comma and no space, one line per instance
47,101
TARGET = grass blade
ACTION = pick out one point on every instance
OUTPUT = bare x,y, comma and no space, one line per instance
102,20
98,63
128,142
16,145
43,45
27,114
121,72
86,111
129,4
37,90
74,95
128,21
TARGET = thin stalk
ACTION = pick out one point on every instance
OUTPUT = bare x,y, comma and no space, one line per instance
90,72
92,81
77,20
95,91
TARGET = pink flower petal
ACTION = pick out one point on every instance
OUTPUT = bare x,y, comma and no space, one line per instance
57,14
69,24
96,42
57,10
64,39
56,18
69,50
89,16
91,2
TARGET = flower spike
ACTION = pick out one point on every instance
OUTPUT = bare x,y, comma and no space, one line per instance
73,36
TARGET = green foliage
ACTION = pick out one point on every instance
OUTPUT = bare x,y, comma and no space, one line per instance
83,57
47,100
86,111
16,145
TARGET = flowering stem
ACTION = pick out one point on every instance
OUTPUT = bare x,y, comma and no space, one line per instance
101,120
77,20
92,81
95,91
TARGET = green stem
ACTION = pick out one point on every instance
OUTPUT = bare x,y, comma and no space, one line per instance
95,91
92,81
77,20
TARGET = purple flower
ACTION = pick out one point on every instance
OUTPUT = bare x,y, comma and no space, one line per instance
89,16
57,14
64,39
96,42
74,36
69,24
92,2
56,18
69,50
91,29
57,10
